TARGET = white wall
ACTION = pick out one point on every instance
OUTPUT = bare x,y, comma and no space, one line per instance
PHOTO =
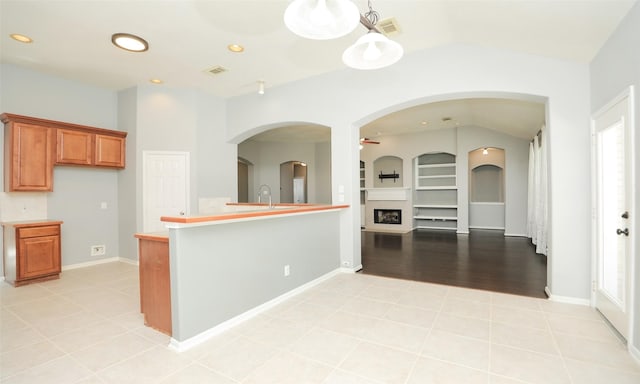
78,191
444,73
615,68
128,196
173,119
323,174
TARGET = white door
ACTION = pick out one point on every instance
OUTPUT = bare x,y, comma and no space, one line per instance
165,187
613,199
298,191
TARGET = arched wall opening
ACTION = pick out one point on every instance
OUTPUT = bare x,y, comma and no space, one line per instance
269,146
460,141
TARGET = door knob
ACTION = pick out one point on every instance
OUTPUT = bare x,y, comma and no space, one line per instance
625,215
623,231
181,213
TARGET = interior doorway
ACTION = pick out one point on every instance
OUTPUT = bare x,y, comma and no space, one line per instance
293,182
244,180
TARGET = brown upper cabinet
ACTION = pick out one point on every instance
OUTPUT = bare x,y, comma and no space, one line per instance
86,148
73,147
28,151
33,146
109,151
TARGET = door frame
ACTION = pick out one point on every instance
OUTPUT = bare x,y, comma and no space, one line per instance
629,94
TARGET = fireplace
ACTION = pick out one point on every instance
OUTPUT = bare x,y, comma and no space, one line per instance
387,216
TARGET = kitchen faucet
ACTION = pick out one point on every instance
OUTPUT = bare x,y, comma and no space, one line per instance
266,190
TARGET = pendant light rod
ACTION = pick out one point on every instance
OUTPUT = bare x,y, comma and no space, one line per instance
368,24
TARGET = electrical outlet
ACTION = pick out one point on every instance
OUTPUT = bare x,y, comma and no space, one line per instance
98,250
287,270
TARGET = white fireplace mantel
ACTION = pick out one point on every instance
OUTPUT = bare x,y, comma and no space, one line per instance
388,194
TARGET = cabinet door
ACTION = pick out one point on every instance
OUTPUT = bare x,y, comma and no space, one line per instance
74,147
109,151
155,284
28,157
39,256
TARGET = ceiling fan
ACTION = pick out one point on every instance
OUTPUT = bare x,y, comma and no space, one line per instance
365,140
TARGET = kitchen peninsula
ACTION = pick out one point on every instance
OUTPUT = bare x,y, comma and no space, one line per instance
224,268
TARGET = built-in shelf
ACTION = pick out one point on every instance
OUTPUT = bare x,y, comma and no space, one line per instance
435,204
436,165
434,218
437,188
363,193
437,177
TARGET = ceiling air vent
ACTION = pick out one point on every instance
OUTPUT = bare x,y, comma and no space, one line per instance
388,26
216,70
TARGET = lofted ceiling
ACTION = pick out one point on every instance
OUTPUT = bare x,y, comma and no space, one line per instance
72,39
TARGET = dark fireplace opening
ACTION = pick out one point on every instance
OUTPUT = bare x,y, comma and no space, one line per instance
387,216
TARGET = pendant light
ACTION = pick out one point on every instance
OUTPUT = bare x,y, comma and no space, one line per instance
321,19
373,50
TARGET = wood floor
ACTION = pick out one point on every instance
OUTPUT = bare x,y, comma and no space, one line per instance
483,259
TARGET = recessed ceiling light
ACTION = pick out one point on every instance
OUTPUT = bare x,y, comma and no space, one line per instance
156,81
129,42
423,122
21,38
237,48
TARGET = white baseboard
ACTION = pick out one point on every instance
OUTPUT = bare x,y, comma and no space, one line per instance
635,353
128,261
351,270
89,263
181,346
515,235
462,232
484,227
566,299
98,262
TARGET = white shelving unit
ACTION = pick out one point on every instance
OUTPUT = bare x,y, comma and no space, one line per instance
435,203
362,182
362,194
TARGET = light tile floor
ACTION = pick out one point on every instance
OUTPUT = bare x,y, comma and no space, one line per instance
351,329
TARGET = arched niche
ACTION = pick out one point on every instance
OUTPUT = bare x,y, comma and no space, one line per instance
486,188
387,172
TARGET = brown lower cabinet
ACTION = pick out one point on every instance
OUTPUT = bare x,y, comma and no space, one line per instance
31,251
155,281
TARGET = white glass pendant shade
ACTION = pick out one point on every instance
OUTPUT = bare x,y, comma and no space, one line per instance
321,19
372,51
